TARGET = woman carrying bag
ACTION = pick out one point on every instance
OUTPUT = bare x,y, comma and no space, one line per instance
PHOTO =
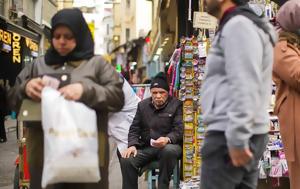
91,81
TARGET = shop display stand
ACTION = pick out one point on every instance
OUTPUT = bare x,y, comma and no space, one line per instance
191,74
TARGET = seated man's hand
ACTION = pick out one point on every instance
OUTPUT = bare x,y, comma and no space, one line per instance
127,153
160,142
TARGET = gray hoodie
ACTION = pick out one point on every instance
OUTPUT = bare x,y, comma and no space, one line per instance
238,81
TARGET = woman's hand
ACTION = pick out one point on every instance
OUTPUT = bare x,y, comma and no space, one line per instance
72,91
34,88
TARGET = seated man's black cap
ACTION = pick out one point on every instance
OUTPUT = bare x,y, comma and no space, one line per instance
160,81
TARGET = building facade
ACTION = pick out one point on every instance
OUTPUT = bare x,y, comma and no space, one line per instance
132,23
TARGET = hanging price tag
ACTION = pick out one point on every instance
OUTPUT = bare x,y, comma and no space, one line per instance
276,169
202,49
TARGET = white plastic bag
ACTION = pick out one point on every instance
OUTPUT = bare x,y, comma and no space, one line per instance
70,140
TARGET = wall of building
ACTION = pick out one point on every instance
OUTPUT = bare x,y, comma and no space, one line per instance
100,16
49,9
169,24
128,23
64,4
28,8
117,24
108,23
132,19
2,4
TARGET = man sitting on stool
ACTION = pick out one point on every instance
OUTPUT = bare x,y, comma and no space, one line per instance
155,134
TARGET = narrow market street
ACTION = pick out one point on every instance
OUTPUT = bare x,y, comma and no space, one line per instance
136,94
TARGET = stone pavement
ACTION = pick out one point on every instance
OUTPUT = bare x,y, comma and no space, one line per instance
8,154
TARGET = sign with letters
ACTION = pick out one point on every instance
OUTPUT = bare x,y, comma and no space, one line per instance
16,46
204,21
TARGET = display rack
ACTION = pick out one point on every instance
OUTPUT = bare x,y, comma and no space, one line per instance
190,77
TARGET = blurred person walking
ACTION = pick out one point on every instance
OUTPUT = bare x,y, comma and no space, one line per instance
235,96
119,122
92,82
118,129
286,75
3,109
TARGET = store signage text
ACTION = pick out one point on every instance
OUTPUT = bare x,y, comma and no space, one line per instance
32,45
16,48
204,20
5,37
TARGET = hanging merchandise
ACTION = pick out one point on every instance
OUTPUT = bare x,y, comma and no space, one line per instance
142,90
187,70
267,8
173,71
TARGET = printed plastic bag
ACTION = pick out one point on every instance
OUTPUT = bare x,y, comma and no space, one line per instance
70,140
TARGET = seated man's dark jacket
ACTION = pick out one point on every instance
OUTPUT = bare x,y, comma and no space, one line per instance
150,122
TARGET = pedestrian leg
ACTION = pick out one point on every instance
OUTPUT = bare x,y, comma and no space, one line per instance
2,128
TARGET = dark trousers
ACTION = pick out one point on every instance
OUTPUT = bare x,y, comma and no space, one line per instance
217,171
2,128
167,157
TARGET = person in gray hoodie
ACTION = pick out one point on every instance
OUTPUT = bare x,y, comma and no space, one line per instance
235,96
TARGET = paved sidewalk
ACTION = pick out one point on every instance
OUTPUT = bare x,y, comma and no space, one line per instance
8,154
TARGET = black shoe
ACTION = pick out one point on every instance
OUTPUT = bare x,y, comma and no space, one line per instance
2,140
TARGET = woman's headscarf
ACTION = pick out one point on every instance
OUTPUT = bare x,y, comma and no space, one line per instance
73,19
288,16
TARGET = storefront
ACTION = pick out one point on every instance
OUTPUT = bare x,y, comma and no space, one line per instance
18,47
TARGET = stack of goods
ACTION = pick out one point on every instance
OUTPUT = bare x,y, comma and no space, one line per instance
191,76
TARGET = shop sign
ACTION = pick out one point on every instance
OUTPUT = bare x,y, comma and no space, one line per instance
5,37
204,20
31,45
16,46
